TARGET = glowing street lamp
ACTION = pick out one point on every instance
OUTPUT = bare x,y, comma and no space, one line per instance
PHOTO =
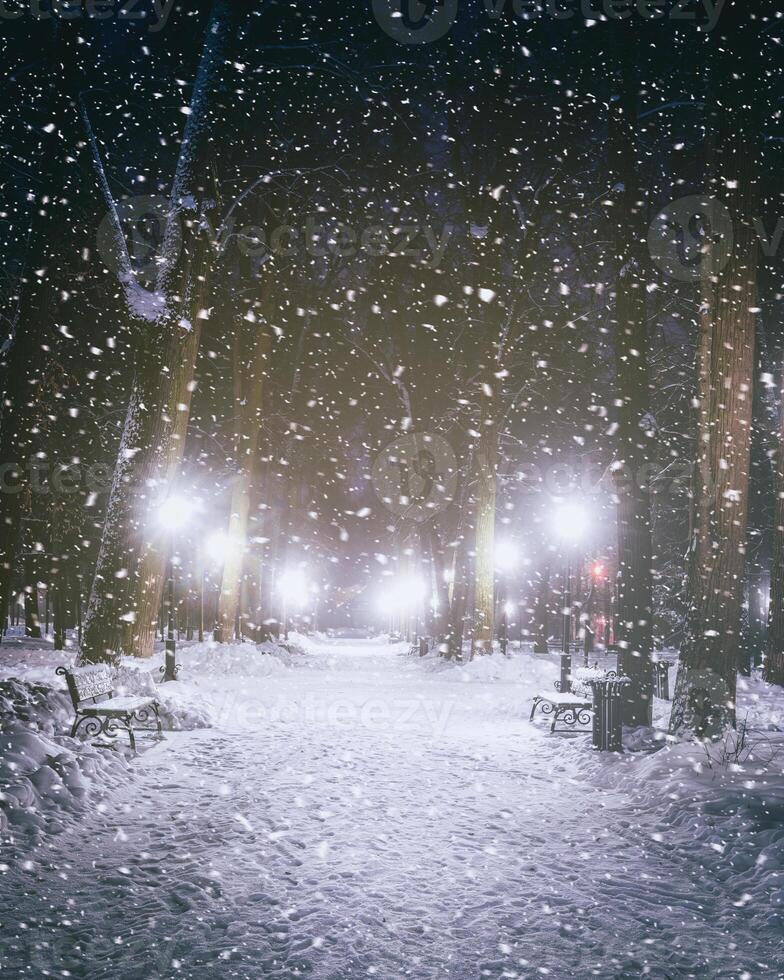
173,514
401,597
507,556
570,521
292,587
216,547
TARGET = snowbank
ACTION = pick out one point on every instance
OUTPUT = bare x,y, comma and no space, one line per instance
722,806
530,674
46,777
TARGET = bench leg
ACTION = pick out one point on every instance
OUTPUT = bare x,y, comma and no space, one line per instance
537,702
92,726
571,719
157,720
149,713
131,736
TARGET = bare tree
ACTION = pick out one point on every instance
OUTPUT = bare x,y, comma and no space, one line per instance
635,422
122,612
252,378
704,699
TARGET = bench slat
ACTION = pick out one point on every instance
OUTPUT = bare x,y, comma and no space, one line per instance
92,682
113,706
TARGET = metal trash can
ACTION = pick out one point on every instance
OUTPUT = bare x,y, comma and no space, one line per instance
608,714
424,645
661,678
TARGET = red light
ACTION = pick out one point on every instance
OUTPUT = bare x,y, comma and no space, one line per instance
597,570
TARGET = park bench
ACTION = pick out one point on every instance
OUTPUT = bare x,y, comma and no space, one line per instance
572,709
99,711
593,703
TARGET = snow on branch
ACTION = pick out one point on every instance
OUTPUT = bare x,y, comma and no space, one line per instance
183,198
142,304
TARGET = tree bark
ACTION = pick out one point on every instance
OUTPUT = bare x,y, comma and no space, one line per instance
160,472
632,463
704,700
773,667
152,444
38,297
431,546
32,623
250,429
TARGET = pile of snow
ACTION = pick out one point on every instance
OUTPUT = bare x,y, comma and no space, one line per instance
244,660
46,777
529,674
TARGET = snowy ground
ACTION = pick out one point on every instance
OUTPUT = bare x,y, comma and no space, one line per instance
354,812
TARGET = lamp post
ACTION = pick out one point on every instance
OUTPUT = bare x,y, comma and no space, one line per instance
314,592
570,523
507,556
201,602
597,576
173,514
170,658
540,611
566,656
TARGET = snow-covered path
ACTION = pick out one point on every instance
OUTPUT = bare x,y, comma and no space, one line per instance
372,817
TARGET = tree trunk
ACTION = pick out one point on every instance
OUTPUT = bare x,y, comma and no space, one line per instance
703,490
250,429
153,439
32,623
159,471
484,589
38,296
431,546
773,668
457,607
457,593
632,463
704,700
